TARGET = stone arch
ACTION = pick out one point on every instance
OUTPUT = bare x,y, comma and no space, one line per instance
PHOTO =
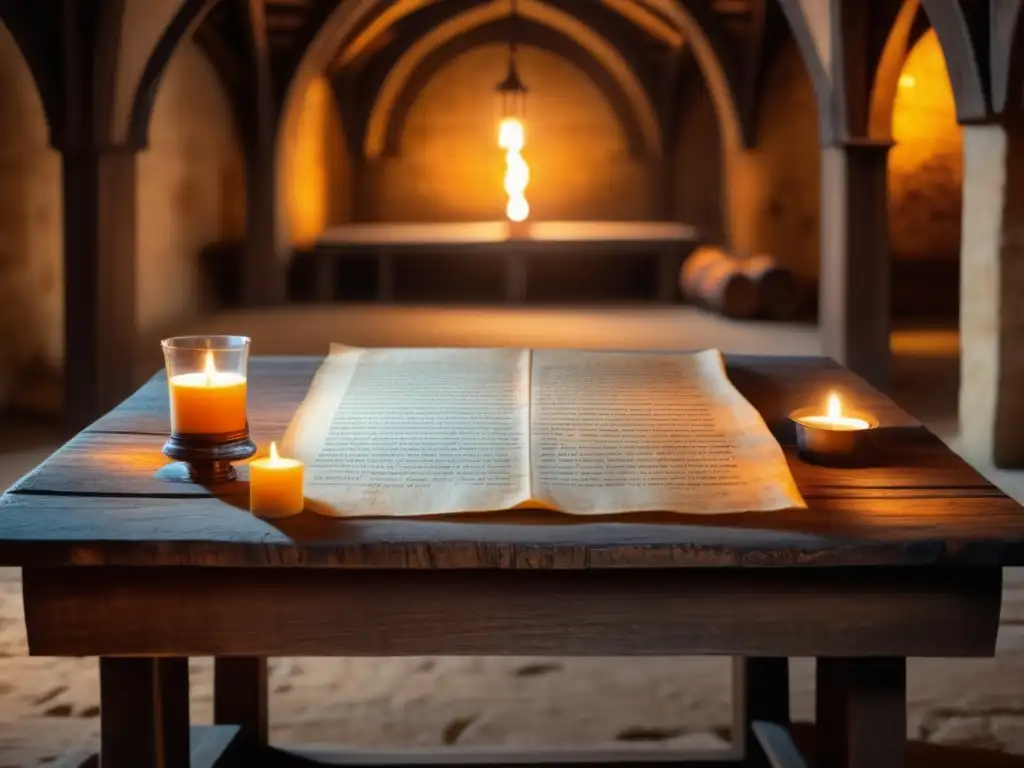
887,74
354,15
185,22
816,52
30,38
31,240
950,25
532,34
190,189
565,24
1007,57
318,181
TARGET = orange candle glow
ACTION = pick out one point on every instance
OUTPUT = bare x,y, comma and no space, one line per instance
834,419
209,402
275,485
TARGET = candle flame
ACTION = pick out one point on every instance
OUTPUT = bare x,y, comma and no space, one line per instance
209,367
273,452
835,407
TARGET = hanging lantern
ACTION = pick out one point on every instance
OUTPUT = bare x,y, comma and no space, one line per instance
511,91
512,133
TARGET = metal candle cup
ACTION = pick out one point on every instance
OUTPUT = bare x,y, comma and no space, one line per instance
834,438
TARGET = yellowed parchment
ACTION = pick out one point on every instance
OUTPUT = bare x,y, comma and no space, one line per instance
410,432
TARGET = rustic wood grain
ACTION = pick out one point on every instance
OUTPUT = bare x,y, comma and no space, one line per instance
861,709
145,713
83,530
315,612
760,692
240,695
98,501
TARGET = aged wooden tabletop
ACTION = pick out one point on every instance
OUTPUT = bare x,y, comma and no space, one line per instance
97,501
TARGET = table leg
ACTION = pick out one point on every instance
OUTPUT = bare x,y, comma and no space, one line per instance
861,713
385,276
144,715
240,694
515,278
760,695
668,276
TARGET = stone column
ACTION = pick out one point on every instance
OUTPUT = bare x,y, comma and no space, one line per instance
853,300
992,296
264,270
99,279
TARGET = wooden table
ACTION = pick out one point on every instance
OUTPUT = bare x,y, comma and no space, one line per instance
899,560
513,243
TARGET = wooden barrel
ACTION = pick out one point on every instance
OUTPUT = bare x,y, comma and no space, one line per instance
777,291
694,266
726,289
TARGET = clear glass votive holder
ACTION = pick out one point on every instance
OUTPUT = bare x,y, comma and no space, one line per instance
207,386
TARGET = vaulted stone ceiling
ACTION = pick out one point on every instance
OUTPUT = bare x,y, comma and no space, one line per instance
373,51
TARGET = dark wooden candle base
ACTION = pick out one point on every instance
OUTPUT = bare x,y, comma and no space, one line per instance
206,459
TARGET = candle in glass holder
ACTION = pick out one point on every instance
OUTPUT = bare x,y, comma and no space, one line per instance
206,387
207,401
833,437
275,485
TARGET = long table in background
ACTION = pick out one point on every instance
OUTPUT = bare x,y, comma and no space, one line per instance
670,241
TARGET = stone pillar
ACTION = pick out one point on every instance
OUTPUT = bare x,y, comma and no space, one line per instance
853,300
99,279
992,296
264,270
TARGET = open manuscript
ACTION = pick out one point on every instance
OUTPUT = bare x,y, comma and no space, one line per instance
412,432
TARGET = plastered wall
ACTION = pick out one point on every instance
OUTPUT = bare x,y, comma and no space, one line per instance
697,183
191,189
31,271
449,166
784,169
317,173
190,192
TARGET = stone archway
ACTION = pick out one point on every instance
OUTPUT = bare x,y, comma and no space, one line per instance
355,23
625,80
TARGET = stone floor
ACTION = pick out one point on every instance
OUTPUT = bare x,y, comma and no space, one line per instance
50,705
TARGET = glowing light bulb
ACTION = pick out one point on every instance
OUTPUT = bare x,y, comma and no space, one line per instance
512,138
511,134
517,174
517,209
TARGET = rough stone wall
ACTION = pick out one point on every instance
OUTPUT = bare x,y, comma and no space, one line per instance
926,163
697,168
191,189
449,166
31,266
784,210
317,171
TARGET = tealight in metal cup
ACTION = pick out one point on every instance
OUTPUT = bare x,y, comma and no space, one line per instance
830,447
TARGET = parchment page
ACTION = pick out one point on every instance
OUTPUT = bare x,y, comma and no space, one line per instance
415,431
621,432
